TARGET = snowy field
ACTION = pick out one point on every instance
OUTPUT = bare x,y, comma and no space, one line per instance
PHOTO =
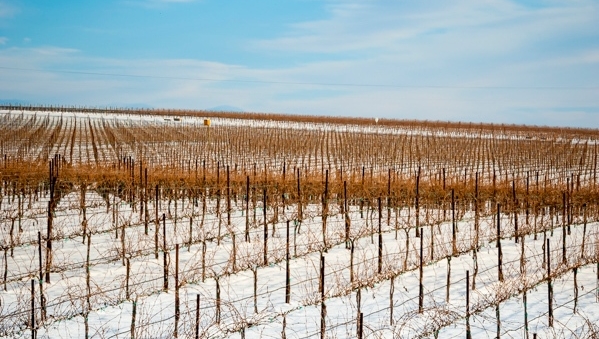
252,295
185,259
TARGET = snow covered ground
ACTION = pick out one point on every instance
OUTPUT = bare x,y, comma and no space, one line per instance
374,128
109,265
388,298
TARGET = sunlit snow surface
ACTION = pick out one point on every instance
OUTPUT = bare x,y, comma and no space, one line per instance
443,310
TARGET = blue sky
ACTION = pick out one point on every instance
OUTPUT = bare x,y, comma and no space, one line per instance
523,62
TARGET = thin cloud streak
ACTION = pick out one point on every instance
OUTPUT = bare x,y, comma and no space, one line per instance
491,62
432,104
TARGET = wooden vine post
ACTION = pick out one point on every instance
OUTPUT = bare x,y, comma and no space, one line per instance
325,210
421,276
41,276
454,245
197,320
51,205
549,287
323,307
380,247
346,216
247,209
468,332
498,245
177,307
33,325
157,224
265,229
164,254
564,258
287,270
417,202
300,210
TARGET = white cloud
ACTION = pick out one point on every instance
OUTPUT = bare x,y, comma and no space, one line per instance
38,57
455,27
3,40
163,84
487,57
456,44
155,4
